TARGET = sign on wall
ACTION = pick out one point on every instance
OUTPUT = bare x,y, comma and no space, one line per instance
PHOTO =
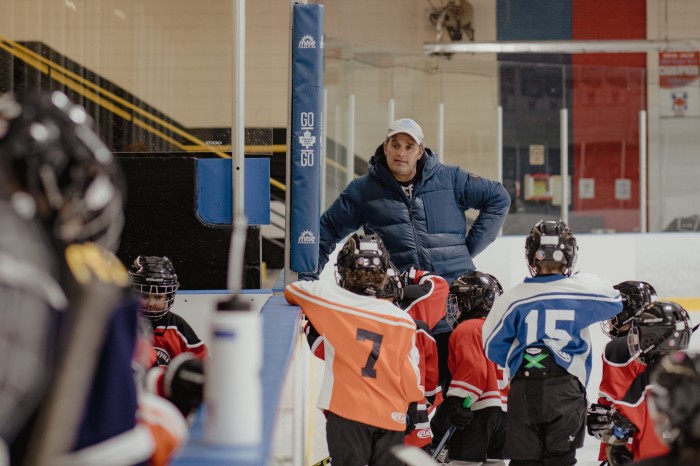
679,84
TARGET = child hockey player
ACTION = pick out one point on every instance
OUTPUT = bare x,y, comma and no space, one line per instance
477,396
538,331
371,359
178,375
660,328
619,370
155,281
424,297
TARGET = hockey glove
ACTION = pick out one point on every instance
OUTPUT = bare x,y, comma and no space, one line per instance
183,382
411,418
311,334
458,414
618,455
622,428
599,420
408,276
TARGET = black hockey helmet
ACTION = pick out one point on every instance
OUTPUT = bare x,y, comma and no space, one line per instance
362,253
551,241
58,169
471,295
659,328
393,289
635,295
674,401
155,281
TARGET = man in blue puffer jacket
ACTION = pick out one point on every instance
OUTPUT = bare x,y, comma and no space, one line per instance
417,206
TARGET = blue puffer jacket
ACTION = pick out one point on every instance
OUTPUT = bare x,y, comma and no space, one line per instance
429,230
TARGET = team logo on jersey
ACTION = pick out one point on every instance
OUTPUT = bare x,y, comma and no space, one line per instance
424,433
399,417
565,356
163,358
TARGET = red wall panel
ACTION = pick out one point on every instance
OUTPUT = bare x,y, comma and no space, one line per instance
608,90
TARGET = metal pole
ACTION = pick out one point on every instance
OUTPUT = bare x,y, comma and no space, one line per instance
336,149
238,218
499,144
564,143
441,132
643,171
289,275
563,46
499,150
351,139
324,146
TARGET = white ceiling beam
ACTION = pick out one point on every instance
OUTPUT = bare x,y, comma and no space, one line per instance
563,46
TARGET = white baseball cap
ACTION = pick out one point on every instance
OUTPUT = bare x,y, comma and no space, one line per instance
408,126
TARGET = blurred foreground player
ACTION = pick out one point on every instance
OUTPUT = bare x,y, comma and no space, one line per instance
674,404
67,394
538,331
478,394
370,355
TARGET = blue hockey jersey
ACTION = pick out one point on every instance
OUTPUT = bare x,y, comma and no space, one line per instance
553,311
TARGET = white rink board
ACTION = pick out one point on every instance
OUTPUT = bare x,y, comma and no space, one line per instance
670,262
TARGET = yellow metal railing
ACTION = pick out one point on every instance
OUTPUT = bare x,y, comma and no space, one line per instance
125,110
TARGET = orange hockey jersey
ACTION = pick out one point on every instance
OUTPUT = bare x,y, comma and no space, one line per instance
473,375
370,354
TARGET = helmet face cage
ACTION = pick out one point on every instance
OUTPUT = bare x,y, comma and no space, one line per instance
393,289
551,241
361,252
471,295
674,401
48,146
154,280
660,327
635,295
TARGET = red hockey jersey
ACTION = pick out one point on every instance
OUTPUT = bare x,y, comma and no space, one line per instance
473,375
428,300
425,299
172,335
428,368
645,442
619,370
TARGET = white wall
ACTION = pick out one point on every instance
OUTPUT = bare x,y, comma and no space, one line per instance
198,307
669,261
